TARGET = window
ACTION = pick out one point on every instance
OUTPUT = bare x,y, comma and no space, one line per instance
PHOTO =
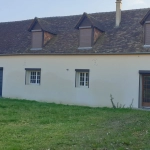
147,34
82,78
90,30
33,76
85,38
37,40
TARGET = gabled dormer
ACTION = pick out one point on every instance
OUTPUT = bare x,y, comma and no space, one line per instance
42,33
145,22
90,30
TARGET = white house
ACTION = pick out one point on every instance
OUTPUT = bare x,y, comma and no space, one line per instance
78,60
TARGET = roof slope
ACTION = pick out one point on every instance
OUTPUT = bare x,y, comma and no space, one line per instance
128,38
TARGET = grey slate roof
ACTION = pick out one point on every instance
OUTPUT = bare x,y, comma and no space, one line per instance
128,38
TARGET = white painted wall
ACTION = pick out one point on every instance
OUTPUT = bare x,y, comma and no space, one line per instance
109,74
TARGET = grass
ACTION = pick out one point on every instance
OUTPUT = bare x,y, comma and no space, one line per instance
30,125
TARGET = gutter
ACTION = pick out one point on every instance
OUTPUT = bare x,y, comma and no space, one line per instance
20,54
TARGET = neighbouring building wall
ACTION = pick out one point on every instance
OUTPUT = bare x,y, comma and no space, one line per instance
108,74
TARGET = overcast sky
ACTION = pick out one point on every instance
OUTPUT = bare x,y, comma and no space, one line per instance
14,10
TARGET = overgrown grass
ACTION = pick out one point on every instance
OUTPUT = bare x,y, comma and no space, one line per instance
30,125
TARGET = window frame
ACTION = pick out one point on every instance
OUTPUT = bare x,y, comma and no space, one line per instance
32,75
84,81
28,76
141,74
78,78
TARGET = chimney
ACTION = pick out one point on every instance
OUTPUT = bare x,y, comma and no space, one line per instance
118,12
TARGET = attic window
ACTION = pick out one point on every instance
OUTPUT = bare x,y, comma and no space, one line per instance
147,34
85,40
37,40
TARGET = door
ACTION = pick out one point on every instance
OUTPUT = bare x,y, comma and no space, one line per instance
146,90
1,80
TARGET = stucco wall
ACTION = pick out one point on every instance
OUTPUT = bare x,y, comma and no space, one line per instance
109,74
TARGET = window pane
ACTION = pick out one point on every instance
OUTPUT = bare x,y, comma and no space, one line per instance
38,73
38,77
87,79
33,77
81,79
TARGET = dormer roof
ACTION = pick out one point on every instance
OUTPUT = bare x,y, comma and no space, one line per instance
145,18
95,23
44,25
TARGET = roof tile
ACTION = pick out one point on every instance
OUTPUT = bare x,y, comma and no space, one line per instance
128,38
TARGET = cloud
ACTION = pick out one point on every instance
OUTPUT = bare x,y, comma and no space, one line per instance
135,2
139,2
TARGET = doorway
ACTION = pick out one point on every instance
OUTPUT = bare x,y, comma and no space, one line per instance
1,80
146,90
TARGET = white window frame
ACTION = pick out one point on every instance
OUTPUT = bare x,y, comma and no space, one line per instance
37,80
33,76
84,83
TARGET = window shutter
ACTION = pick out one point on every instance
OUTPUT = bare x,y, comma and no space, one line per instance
37,39
85,37
147,34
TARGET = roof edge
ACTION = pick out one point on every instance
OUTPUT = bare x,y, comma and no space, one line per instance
35,20
145,17
80,20
23,54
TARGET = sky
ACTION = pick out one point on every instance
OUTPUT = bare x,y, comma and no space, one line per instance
14,10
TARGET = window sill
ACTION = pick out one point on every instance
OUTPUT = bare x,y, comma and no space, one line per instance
83,87
146,46
36,49
82,48
33,84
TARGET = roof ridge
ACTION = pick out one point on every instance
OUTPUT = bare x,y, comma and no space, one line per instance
95,13
74,15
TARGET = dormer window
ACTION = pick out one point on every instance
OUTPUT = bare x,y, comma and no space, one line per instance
37,40
147,34
42,32
145,22
85,40
90,30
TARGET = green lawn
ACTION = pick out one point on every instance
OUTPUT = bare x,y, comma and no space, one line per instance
30,125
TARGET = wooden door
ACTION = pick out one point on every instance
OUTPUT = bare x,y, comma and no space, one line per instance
146,90
1,81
